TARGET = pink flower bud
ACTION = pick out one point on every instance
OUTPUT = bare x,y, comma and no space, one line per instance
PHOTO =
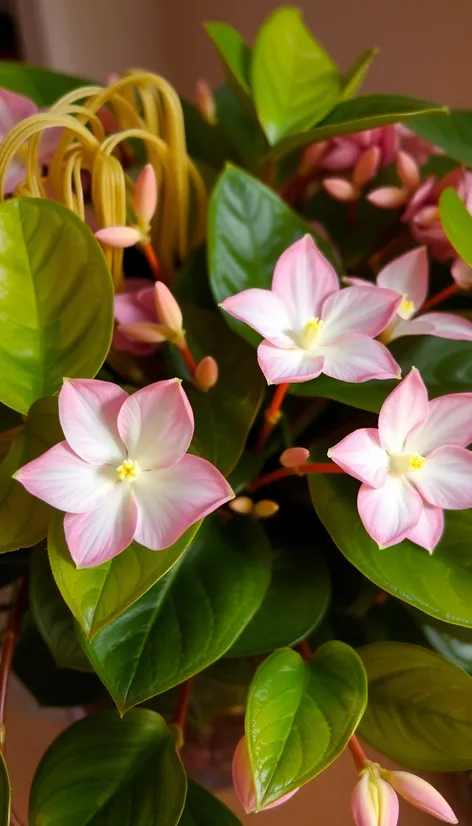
119,236
420,794
388,197
145,195
462,274
205,102
340,189
244,783
367,166
265,509
168,311
206,373
311,158
294,456
426,216
408,171
373,801
242,505
143,331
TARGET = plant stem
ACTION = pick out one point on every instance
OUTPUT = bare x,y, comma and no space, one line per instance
358,754
301,470
188,358
153,262
269,173
271,417
447,292
8,649
180,714
305,651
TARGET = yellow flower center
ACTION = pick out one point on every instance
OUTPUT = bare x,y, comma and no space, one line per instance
401,463
406,308
128,471
310,333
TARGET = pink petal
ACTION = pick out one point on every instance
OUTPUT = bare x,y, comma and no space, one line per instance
388,804
408,275
13,108
367,166
388,197
374,803
124,345
429,529
356,358
407,327
445,480
63,480
419,199
360,454
303,278
342,156
340,189
144,332
408,170
171,499
264,311
145,194
101,534
462,274
156,424
449,423
121,237
389,513
167,308
448,325
132,306
421,794
16,173
403,410
295,365
365,310
352,281
88,412
48,144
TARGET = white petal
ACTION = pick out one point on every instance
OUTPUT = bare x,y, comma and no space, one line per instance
429,529
445,480
364,310
88,412
449,423
281,366
447,325
101,534
408,275
390,512
357,358
264,311
403,410
361,455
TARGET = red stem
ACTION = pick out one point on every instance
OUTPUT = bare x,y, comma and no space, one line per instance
358,754
301,470
153,262
271,417
180,714
188,358
9,642
305,651
447,292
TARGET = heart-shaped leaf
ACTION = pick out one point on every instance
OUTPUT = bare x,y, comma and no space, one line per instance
356,75
56,300
453,134
294,81
41,85
5,794
96,596
24,519
300,716
420,707
452,642
456,222
204,809
234,52
103,771
187,620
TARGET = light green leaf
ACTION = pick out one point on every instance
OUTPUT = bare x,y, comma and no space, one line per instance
205,141
187,620
103,771
5,794
300,716
97,596
453,134
41,85
456,222
234,52
204,809
355,76
56,300
294,81
420,707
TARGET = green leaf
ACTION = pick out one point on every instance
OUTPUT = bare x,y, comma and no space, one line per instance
103,771
5,794
300,716
204,809
241,130
97,596
249,227
439,585
205,142
294,81
420,707
457,223
355,76
454,643
187,620
295,602
234,52
41,85
56,300
453,134
52,616
357,115
24,519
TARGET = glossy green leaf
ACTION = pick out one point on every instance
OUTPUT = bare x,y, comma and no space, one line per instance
187,620
439,584
300,716
53,618
454,643
96,596
5,794
204,141
295,602
241,130
24,519
56,300
457,223
355,76
294,81
103,771
234,52
249,228
453,134
420,707
357,115
202,808
41,85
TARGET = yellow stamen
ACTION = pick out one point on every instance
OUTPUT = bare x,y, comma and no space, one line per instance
406,308
128,471
416,462
310,332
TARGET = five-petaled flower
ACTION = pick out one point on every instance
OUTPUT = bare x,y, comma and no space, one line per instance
414,466
310,326
123,472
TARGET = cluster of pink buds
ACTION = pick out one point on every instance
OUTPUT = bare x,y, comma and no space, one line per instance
144,205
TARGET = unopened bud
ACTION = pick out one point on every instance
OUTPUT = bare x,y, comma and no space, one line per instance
121,237
143,331
145,195
206,373
168,310
462,274
205,102
408,171
388,197
294,456
366,167
311,158
242,505
265,509
341,189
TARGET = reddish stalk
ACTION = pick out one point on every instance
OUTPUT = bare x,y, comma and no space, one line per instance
447,292
153,262
305,651
188,358
301,470
271,417
180,714
9,642
358,754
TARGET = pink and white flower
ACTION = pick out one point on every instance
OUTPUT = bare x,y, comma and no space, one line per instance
409,276
123,472
310,326
414,466
13,109
244,783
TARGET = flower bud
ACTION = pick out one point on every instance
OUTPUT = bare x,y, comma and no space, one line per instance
373,801
121,237
340,189
366,167
388,197
242,505
205,102
310,158
265,509
462,274
420,794
206,373
408,171
145,195
294,456
244,784
143,331
168,310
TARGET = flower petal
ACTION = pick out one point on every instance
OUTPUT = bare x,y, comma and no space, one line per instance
63,480
13,108
171,499
462,274
264,311
403,410
293,365
388,197
408,275
353,281
400,327
15,174
445,480
420,794
357,358
303,278
132,306
388,804
429,529
120,237
449,423
390,512
365,310
101,534
156,424
447,325
360,454
88,412
364,803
